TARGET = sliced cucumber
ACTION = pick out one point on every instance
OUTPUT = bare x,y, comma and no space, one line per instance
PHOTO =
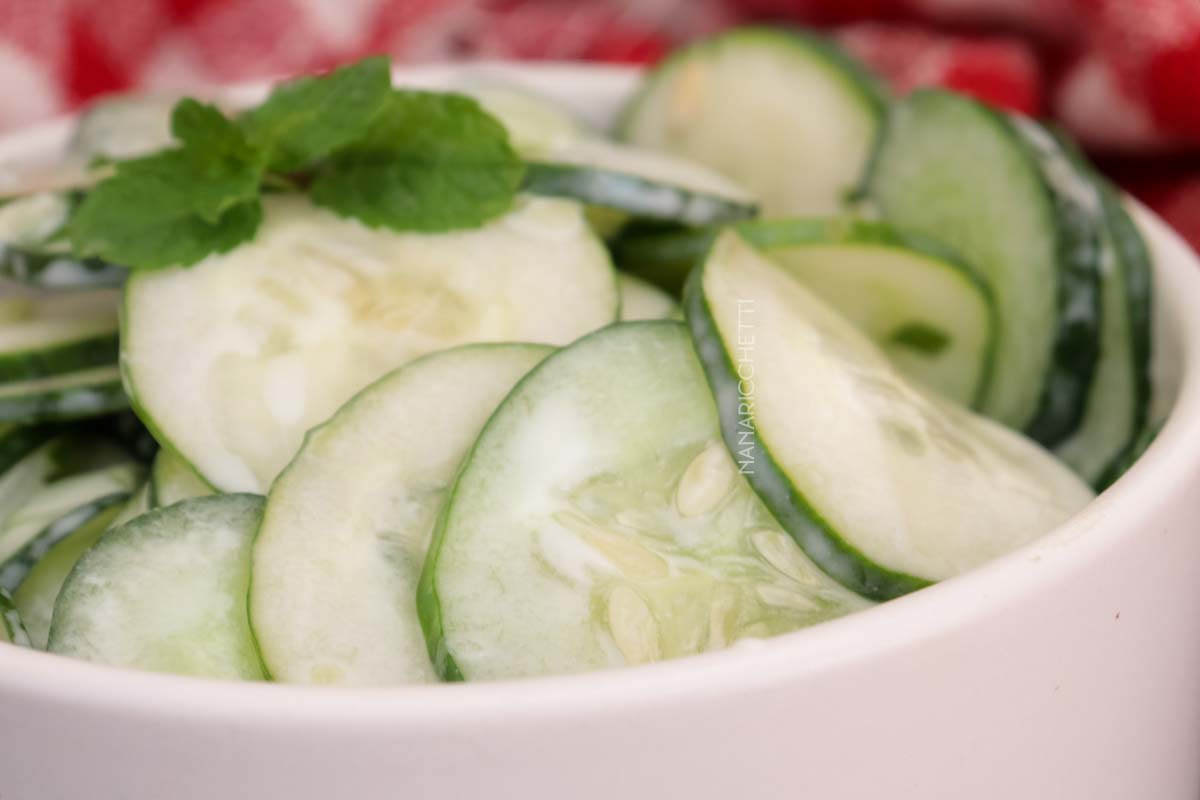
812,113
665,258
641,184
536,125
73,395
57,510
17,442
924,308
172,480
51,334
166,592
34,597
599,521
953,169
122,127
641,300
12,631
32,250
1119,398
230,361
339,554
884,487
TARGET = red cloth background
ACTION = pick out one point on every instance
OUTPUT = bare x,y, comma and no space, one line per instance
1122,75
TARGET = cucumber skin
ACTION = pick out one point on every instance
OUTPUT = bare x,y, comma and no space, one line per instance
833,554
63,404
15,569
66,357
1065,381
585,185
1139,283
30,267
857,77
1076,349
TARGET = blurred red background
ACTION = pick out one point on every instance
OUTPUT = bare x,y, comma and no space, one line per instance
1122,75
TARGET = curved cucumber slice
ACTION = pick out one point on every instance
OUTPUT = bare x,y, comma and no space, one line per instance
34,598
172,480
339,554
12,631
954,170
52,334
54,512
230,361
31,253
927,311
72,395
641,300
536,125
166,592
813,112
643,184
884,487
599,521
123,127
1119,398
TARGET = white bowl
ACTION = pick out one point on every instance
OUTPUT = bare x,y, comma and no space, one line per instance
1069,669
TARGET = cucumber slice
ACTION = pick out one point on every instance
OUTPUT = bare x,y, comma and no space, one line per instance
172,480
52,334
12,631
642,184
126,126
884,487
166,592
230,361
1119,398
599,521
641,300
17,442
73,395
928,312
56,510
33,252
536,125
664,258
339,554
953,169
34,597
812,113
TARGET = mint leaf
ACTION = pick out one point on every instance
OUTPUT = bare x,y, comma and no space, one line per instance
208,135
173,207
305,119
427,162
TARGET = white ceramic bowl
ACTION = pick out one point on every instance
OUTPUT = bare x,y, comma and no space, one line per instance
1069,669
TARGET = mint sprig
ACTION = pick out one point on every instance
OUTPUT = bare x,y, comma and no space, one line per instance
404,160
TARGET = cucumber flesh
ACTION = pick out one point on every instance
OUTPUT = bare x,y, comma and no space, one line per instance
928,312
34,597
885,487
53,512
166,592
642,184
599,521
813,113
536,125
339,554
33,252
230,361
122,127
172,480
954,170
51,334
641,300
72,395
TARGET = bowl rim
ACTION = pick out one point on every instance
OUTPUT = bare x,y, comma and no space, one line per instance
1163,472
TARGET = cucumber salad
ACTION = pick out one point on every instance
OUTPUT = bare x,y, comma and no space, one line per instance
369,385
